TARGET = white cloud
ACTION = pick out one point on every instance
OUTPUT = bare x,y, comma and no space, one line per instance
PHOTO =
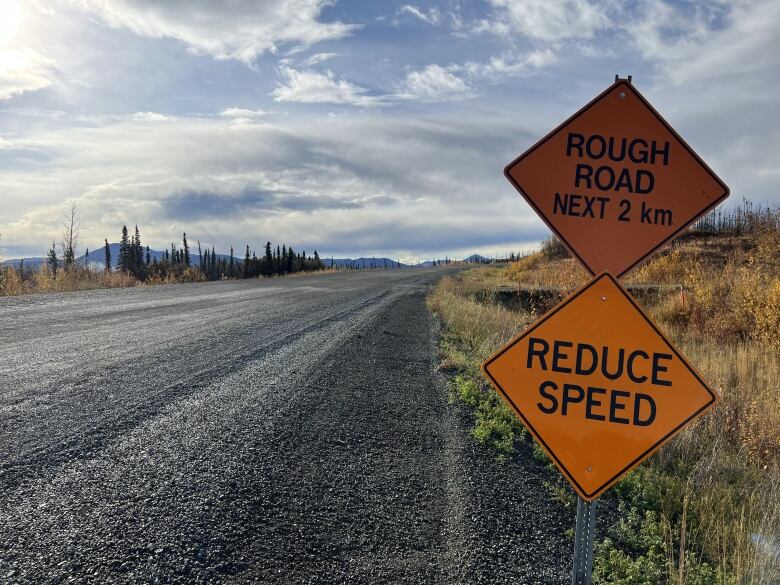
509,65
319,58
151,117
433,16
705,40
243,113
313,87
23,70
241,30
546,20
434,83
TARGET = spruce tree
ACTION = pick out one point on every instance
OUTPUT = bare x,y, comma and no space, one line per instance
138,254
231,270
132,263
186,250
86,259
269,259
200,257
107,252
124,251
52,260
148,257
290,268
246,262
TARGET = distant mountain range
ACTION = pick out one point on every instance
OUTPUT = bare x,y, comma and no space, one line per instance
29,262
97,258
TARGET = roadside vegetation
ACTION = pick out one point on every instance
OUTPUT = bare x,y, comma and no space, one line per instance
135,264
706,508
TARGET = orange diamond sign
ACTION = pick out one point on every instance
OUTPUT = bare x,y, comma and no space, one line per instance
615,182
598,385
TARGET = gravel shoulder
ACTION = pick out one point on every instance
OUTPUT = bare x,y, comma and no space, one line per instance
308,441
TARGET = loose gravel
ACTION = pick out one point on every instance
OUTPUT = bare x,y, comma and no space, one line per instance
283,431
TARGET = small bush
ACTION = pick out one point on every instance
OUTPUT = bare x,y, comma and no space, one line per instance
553,249
736,299
523,265
10,281
494,425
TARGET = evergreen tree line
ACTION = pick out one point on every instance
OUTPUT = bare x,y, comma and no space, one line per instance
281,261
178,262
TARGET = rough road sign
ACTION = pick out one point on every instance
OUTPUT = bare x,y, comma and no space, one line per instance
615,181
598,385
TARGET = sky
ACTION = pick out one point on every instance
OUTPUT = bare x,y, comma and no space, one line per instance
351,127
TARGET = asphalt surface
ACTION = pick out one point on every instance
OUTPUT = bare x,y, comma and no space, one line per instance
274,431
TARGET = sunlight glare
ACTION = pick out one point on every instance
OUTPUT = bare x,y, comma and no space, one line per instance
10,14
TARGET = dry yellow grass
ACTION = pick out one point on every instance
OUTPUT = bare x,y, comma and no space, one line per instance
535,270
80,278
728,297
747,377
479,326
44,281
730,286
728,464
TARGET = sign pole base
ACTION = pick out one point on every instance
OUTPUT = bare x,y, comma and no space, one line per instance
584,533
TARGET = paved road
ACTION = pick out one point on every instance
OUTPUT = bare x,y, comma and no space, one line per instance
274,431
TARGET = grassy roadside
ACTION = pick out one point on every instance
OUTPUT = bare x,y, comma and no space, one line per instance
706,509
77,278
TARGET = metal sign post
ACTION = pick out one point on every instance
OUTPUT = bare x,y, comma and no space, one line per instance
584,533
